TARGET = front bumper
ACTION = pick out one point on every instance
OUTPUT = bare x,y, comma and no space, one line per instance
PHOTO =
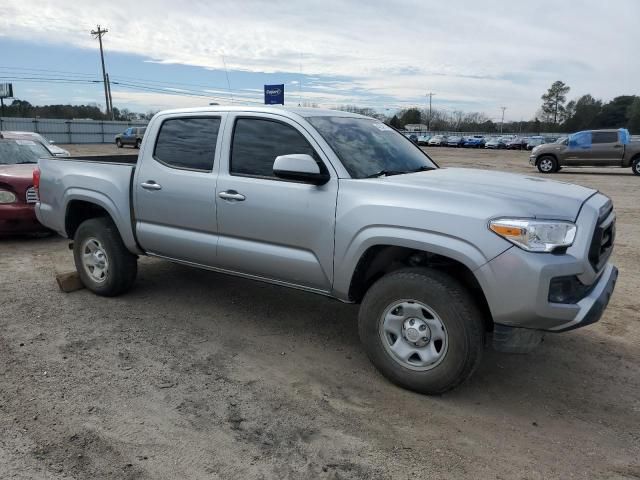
18,218
532,160
516,283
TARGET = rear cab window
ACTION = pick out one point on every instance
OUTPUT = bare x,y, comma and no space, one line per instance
188,143
604,137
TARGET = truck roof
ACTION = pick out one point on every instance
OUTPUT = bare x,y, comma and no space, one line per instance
285,111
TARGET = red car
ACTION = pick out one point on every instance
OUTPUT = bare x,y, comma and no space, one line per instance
18,159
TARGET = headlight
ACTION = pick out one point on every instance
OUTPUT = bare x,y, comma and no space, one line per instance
535,235
7,197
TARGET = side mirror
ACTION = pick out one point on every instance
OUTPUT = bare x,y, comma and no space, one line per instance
51,142
299,167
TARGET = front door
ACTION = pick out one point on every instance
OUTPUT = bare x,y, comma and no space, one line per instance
268,227
175,189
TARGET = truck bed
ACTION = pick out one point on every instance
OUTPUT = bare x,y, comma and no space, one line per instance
104,181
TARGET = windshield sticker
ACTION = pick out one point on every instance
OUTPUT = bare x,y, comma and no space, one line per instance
25,142
382,127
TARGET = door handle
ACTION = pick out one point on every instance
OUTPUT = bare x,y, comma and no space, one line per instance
617,146
151,185
231,195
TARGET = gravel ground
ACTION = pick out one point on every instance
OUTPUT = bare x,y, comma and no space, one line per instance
199,375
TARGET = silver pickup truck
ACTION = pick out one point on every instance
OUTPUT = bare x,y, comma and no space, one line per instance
342,205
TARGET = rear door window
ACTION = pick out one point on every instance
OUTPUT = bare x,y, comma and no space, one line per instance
188,143
604,137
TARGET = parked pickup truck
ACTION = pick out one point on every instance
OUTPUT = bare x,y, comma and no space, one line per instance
590,148
344,206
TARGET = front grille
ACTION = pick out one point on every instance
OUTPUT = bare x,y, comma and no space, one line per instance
603,238
31,195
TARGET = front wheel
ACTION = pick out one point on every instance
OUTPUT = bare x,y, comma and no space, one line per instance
635,166
547,164
138,143
103,262
119,143
421,330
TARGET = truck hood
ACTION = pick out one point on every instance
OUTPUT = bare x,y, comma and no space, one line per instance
501,193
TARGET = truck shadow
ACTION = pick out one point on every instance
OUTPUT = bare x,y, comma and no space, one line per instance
580,373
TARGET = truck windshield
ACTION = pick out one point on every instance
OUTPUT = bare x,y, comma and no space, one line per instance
13,152
368,148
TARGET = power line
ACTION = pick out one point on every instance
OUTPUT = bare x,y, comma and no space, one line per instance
99,33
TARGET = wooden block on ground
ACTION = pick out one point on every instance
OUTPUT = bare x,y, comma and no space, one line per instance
69,282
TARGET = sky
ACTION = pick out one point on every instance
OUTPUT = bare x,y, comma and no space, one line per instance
384,54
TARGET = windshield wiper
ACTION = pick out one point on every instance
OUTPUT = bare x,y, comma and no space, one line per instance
388,173
423,168
384,173
22,163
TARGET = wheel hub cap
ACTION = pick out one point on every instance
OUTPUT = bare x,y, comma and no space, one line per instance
416,331
95,260
413,335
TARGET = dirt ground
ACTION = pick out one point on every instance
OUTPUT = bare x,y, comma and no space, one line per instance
198,375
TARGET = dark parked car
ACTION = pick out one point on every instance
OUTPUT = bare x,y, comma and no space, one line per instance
18,159
131,136
517,143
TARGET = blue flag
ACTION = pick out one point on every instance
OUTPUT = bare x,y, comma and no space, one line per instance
274,94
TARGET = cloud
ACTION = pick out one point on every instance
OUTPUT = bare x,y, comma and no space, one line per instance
501,53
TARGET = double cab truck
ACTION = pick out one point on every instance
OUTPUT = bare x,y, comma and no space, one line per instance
589,148
439,259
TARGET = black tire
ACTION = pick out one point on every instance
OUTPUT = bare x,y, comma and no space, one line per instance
119,143
635,165
138,143
547,164
457,312
122,264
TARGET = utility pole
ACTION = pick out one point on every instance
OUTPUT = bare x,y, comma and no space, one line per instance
502,121
99,33
112,117
430,95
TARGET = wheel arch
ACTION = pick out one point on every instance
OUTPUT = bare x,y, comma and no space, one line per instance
381,259
81,206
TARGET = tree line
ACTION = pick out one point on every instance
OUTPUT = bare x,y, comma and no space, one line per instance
556,115
22,108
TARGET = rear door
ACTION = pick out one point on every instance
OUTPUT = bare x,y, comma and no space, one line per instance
268,227
607,149
174,188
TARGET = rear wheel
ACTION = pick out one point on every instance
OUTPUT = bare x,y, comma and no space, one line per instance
103,262
547,164
421,330
635,166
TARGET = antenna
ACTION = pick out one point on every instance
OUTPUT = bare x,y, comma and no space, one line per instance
300,83
226,72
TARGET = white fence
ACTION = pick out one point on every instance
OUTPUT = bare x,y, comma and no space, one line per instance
69,131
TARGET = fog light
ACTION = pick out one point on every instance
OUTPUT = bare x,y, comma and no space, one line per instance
567,290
